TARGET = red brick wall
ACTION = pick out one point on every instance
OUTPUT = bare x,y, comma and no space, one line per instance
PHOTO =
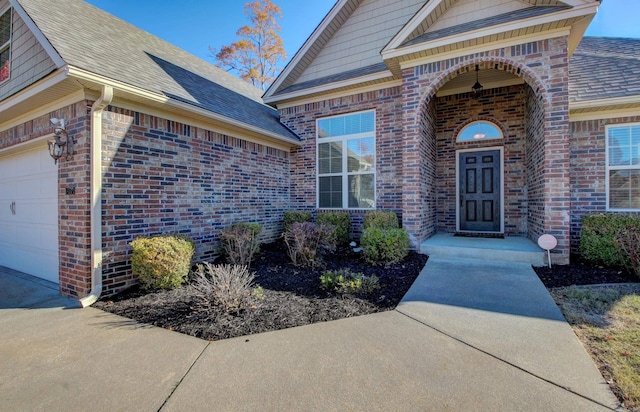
544,67
162,176
504,107
389,161
588,171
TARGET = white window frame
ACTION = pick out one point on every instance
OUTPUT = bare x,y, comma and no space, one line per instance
345,173
480,138
7,45
609,168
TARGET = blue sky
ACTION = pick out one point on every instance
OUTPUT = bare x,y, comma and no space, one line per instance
197,24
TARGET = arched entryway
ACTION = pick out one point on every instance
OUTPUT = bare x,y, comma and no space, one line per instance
525,175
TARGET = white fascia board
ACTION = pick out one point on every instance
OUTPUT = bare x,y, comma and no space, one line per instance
305,48
415,21
328,87
42,39
161,98
491,30
604,114
614,101
344,93
486,47
58,76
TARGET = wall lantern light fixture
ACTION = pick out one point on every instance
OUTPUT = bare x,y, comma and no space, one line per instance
61,144
477,87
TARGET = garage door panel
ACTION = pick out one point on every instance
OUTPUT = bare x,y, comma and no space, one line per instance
29,237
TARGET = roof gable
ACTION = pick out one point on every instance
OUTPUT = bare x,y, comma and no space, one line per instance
432,29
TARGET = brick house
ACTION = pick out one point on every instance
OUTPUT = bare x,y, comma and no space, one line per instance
549,134
376,111
162,142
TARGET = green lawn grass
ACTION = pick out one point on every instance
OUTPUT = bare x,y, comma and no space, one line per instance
607,320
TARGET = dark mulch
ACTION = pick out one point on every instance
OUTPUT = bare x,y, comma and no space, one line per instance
581,272
292,297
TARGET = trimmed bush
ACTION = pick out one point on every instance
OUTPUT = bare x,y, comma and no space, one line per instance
597,242
296,216
381,219
307,243
162,261
384,246
345,281
228,286
240,242
342,223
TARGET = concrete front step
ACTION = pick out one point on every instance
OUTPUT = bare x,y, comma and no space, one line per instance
509,249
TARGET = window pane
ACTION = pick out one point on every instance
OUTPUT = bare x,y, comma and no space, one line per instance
624,189
479,131
361,191
619,146
5,27
360,154
347,124
330,158
330,192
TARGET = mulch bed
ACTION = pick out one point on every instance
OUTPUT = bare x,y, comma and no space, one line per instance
580,272
293,297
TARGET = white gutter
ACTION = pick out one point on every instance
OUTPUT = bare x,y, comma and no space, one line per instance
96,195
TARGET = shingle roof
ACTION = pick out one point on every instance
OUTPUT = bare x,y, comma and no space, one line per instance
486,22
603,68
91,39
352,74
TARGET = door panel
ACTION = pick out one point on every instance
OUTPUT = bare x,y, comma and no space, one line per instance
480,191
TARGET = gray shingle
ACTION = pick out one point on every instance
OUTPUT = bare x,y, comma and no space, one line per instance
603,68
352,74
91,39
486,22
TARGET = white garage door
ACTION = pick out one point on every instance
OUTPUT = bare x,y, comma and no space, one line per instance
29,213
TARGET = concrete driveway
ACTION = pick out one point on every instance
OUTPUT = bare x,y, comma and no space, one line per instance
468,336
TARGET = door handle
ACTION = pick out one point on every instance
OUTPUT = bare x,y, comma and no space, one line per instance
12,207
461,200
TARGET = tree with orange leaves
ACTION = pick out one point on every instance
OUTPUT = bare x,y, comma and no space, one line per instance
256,55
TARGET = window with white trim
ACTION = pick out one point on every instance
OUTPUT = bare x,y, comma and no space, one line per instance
623,167
346,147
5,45
479,130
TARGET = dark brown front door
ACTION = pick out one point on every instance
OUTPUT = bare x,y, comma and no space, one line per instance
479,197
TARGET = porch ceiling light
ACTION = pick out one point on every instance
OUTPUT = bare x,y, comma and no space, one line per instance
477,87
61,144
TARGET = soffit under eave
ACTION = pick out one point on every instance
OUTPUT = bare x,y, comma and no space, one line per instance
313,46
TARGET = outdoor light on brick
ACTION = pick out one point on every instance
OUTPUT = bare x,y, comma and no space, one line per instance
61,143
477,87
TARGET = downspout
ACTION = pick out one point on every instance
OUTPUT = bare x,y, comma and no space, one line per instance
96,195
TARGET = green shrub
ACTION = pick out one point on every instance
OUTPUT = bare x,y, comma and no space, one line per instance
381,219
597,242
342,223
162,261
307,243
240,242
345,281
384,246
228,286
296,216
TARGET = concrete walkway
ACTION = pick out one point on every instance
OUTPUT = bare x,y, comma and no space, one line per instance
468,336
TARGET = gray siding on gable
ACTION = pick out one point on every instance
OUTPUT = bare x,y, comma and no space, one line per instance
29,61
